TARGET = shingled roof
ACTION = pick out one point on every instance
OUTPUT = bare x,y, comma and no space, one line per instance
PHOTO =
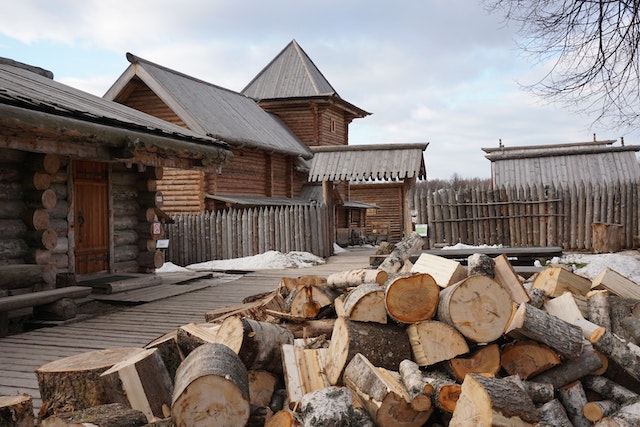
212,110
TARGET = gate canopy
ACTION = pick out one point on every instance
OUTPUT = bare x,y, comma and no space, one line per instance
363,162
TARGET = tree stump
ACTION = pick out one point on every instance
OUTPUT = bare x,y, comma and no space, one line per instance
211,367
16,411
412,298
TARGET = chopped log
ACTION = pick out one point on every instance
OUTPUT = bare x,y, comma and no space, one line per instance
310,299
40,199
74,383
390,347
257,343
107,415
556,280
478,307
446,391
16,411
47,163
540,326
626,416
142,382
528,358
444,271
624,353
491,401
151,259
606,237
349,278
365,303
332,406
167,346
262,384
385,399
16,276
411,298
284,418
508,279
37,181
564,307
538,392
596,410
598,308
193,335
311,328
609,389
619,308
481,264
303,371
616,283
553,414
573,399
255,309
483,360
433,342
36,219
403,250
571,370
211,367
43,239
538,297
631,325
63,309
419,389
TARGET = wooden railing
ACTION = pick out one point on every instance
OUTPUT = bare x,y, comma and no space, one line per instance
528,216
237,233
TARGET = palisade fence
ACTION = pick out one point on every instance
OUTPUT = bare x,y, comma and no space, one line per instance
528,216
237,233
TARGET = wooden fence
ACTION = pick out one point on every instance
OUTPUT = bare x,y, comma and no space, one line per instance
528,216
237,233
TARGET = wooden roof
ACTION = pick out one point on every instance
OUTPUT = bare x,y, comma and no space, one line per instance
363,162
562,164
212,110
33,100
291,75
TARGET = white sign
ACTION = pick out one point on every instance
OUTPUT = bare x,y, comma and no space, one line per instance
162,244
421,229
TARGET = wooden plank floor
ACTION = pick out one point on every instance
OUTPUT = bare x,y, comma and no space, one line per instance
21,354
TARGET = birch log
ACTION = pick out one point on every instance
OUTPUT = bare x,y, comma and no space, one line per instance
351,278
404,249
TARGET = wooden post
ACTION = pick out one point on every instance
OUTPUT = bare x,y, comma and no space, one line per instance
327,199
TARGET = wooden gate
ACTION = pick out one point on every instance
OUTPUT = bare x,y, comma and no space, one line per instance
90,180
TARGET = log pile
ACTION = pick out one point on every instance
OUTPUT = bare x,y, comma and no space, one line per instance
485,349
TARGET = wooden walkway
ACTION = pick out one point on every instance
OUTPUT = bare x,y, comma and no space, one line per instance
21,354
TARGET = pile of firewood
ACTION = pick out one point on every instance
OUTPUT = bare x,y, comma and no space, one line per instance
435,343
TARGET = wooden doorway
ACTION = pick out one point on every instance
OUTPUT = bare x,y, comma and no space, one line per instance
91,216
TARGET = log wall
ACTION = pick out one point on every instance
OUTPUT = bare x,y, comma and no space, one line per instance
529,216
388,197
182,190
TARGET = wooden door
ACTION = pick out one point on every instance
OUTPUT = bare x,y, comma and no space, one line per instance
90,181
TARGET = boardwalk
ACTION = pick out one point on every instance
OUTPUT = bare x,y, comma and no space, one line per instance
21,354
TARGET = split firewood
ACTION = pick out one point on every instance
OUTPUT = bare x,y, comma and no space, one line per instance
493,401
433,342
284,418
563,337
311,328
553,414
352,278
446,391
556,280
309,300
419,389
624,353
483,360
538,392
626,416
478,307
211,367
262,384
598,308
481,264
332,406
365,303
444,271
17,411
537,297
411,298
389,348
193,335
508,279
619,308
303,371
169,350
564,307
74,383
574,399
257,343
142,382
385,399
253,310
403,250
616,283
609,389
571,370
107,415
631,325
596,410
528,358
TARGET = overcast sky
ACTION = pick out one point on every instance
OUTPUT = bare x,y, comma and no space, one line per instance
439,71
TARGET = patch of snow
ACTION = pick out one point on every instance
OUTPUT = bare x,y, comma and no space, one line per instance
265,261
169,267
626,263
337,249
464,246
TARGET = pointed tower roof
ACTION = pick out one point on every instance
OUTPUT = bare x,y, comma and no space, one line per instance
291,74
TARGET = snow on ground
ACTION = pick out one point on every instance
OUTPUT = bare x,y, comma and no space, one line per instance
626,263
265,261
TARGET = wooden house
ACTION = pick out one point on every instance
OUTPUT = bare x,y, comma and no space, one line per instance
269,161
78,180
596,162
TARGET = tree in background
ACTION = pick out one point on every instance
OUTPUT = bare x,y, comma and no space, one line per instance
594,46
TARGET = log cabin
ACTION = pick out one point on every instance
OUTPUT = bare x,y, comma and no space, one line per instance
78,181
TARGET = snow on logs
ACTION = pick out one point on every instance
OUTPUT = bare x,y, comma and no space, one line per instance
377,347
